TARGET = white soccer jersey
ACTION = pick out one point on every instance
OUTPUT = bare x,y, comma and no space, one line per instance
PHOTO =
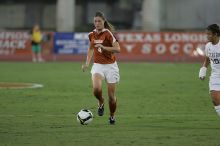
213,52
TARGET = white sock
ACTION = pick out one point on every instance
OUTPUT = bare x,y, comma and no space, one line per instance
217,109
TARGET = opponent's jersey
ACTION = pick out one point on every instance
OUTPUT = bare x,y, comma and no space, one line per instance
213,52
106,38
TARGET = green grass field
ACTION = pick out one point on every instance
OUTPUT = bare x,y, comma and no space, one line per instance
158,105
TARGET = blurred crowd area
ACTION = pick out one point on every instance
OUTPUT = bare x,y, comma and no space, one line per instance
135,15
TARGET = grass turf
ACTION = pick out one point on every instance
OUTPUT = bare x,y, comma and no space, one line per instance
158,105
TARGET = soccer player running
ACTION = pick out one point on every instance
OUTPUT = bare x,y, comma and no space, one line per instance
103,45
212,51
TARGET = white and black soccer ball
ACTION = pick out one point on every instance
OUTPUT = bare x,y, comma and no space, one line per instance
84,117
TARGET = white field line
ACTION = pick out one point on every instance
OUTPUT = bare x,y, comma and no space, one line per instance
26,85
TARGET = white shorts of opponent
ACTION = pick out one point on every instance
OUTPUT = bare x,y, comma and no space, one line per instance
109,72
214,84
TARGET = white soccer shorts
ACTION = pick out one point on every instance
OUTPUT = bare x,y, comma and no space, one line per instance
214,84
110,72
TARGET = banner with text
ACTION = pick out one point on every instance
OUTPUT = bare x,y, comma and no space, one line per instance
14,43
153,46
71,43
169,46
19,43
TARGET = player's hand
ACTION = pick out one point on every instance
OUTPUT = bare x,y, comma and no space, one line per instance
84,67
202,78
99,46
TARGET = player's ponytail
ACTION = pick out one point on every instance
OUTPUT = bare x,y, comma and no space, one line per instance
214,28
107,25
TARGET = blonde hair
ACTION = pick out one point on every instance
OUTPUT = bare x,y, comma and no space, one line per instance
106,23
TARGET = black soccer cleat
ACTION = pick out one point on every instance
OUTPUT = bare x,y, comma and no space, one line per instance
101,110
111,120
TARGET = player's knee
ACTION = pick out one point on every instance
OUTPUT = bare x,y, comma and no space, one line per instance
112,99
111,94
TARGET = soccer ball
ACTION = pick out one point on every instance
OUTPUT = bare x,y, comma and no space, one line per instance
84,117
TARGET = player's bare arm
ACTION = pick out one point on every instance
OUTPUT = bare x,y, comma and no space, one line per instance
206,62
88,59
115,47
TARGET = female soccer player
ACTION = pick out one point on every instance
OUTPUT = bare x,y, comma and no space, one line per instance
212,51
103,45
